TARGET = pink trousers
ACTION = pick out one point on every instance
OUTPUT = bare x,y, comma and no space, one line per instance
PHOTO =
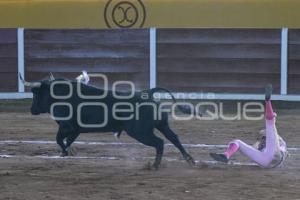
265,157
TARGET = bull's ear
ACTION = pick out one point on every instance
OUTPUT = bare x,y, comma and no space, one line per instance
51,77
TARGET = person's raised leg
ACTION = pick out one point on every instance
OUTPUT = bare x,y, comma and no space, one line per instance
271,132
269,114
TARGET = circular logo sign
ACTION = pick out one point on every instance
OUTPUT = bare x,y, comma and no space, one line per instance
124,14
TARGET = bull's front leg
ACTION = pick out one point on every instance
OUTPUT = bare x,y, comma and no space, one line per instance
60,136
70,139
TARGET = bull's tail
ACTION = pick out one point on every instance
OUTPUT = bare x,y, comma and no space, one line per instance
184,109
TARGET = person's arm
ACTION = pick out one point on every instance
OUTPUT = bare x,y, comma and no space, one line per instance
282,143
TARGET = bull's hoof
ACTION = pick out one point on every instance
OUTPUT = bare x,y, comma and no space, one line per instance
63,154
71,151
155,166
149,166
190,160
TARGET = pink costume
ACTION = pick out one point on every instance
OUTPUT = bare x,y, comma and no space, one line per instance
274,152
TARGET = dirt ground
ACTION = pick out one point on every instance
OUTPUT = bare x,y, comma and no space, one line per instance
109,170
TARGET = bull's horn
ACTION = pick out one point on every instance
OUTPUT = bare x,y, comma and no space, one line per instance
51,77
29,84
84,77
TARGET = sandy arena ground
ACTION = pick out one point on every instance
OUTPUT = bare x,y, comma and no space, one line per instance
109,170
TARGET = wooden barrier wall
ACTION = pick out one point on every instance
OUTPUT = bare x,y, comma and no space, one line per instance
8,60
119,54
188,60
218,60
294,62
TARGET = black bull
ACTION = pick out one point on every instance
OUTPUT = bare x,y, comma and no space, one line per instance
140,128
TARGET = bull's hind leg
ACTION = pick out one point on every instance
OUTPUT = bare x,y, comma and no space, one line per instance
158,144
153,141
172,137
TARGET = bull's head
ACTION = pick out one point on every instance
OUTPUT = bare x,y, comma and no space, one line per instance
41,95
